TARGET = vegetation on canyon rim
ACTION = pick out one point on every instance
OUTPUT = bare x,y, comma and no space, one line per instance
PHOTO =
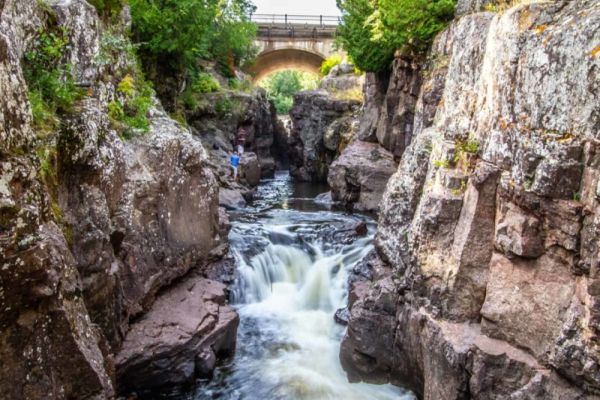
283,85
372,30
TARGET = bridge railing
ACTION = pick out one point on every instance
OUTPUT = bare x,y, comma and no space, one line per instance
291,20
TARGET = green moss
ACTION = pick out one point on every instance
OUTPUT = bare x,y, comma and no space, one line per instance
223,106
179,117
441,164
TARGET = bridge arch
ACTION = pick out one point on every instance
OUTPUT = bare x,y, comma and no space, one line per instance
300,42
285,58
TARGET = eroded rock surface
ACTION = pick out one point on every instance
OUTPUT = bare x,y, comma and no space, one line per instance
188,328
486,227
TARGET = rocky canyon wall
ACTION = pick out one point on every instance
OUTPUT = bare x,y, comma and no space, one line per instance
94,227
487,249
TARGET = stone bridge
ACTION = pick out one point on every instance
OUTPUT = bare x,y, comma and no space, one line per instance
299,42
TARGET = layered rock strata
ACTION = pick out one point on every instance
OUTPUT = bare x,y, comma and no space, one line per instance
488,228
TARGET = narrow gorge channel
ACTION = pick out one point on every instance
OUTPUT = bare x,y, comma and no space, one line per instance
294,257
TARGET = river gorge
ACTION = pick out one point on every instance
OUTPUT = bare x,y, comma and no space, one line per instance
428,231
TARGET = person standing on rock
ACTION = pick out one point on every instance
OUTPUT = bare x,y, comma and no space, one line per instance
240,140
235,162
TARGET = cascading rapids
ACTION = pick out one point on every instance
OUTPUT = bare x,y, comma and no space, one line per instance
292,269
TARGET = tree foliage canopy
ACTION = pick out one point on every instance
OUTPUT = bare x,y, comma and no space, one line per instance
183,31
372,30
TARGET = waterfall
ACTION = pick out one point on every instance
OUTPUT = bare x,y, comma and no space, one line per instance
292,272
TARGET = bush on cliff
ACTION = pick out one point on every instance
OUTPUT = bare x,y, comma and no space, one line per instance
372,30
108,9
52,88
329,63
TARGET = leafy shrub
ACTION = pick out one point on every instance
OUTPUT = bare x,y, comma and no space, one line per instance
205,83
224,106
179,32
112,46
283,85
445,164
329,63
372,30
128,112
240,85
52,88
108,9
354,35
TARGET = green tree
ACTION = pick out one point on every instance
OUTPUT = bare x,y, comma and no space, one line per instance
414,23
183,31
283,85
355,36
372,30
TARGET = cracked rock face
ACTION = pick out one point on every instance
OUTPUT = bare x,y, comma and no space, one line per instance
489,226
322,126
123,220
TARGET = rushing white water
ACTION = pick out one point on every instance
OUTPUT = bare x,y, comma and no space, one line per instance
292,273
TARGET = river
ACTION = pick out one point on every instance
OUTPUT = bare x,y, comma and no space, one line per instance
293,258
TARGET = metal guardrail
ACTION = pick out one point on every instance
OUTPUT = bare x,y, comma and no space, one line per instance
290,20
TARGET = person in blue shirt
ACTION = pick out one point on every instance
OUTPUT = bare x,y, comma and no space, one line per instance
235,161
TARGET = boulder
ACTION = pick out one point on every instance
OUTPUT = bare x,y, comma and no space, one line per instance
359,176
249,170
187,329
231,198
217,118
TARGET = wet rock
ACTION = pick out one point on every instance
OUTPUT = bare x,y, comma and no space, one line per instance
231,199
324,198
186,330
341,316
222,271
359,176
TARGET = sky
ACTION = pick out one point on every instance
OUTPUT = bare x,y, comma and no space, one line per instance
308,7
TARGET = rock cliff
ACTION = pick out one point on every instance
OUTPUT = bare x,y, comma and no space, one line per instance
93,225
217,118
487,256
326,144
322,125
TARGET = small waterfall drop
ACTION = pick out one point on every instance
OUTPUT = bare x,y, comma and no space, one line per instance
292,269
